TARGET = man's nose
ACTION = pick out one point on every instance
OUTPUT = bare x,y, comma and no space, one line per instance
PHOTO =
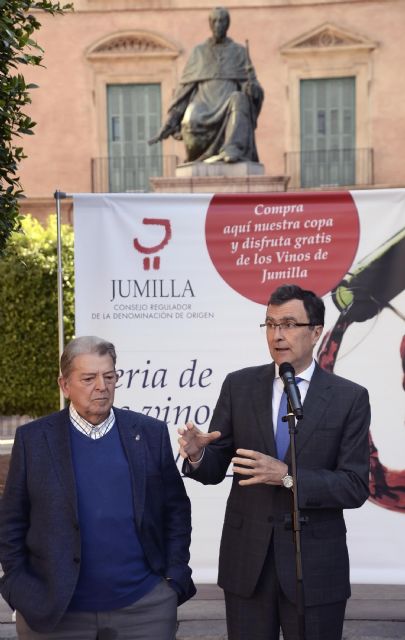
100,382
278,331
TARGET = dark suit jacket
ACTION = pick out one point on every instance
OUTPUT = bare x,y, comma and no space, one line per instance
39,528
333,466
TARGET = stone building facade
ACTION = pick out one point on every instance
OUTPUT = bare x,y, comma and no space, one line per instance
331,71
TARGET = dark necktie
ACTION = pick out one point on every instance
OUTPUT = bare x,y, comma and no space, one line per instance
282,433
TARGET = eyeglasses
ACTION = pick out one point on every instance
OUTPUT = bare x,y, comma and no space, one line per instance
287,325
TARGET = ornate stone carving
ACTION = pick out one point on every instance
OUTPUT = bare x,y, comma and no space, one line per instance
327,36
132,44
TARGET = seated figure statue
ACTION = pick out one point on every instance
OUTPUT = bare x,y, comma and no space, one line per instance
216,106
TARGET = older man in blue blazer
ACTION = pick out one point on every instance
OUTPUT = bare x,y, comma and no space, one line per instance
95,522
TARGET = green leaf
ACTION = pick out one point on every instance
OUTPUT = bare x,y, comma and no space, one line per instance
17,47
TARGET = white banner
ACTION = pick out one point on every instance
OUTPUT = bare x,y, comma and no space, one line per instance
179,283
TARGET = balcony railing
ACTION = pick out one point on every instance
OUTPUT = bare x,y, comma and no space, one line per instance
330,168
131,173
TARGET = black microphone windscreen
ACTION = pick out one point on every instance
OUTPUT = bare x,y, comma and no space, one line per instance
286,367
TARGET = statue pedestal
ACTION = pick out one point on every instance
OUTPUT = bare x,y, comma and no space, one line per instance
220,177
214,169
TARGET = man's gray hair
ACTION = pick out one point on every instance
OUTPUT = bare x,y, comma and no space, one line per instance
84,345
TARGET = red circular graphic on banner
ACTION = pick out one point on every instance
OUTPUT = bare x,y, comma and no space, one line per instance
258,242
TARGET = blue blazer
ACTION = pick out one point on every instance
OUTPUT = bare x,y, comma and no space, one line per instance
39,528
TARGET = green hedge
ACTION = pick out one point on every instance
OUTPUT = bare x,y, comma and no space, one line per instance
29,317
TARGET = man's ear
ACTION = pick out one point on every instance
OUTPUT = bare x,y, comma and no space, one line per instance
318,333
64,386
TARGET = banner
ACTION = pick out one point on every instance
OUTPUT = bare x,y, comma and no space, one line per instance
180,284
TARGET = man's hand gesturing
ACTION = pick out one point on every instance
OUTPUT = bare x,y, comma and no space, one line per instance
192,441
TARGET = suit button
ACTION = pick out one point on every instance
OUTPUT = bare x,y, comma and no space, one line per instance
76,526
270,519
76,559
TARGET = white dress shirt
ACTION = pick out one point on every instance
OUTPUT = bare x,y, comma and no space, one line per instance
278,388
94,432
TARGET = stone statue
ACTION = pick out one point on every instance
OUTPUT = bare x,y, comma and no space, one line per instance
216,106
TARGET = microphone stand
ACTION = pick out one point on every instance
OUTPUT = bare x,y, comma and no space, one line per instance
297,521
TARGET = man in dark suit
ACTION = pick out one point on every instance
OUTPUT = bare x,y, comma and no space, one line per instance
95,521
257,556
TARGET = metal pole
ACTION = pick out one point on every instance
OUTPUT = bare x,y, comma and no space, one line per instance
59,195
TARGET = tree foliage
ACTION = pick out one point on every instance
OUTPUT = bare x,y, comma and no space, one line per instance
29,358
17,48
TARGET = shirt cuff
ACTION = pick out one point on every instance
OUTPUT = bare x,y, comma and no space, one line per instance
195,464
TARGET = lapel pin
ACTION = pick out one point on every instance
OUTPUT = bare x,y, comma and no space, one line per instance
137,437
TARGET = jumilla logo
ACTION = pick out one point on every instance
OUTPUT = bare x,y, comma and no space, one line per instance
155,248
152,288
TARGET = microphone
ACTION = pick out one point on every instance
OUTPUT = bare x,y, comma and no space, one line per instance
287,374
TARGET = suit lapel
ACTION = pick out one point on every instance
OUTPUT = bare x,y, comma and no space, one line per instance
57,435
315,403
262,403
133,441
